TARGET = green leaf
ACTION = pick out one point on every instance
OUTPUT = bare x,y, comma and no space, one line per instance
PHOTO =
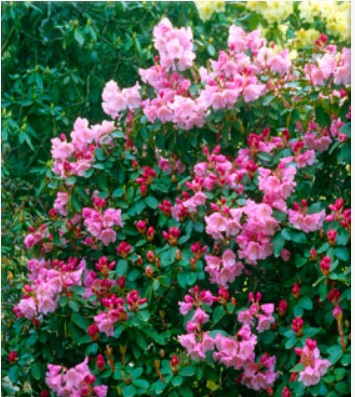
144,315
211,50
339,374
36,371
267,337
122,267
79,37
187,371
13,373
346,129
218,314
181,278
75,203
168,257
306,303
118,331
156,284
100,154
298,368
290,343
128,391
345,153
300,261
152,202
191,278
80,321
278,243
294,236
75,333
143,384
322,117
343,388
336,353
177,381
74,306
298,311
342,253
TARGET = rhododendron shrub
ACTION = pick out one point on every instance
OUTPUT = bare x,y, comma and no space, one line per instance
198,242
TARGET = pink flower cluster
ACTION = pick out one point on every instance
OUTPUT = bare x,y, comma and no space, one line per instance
277,185
262,312
299,219
39,237
254,239
235,74
335,127
225,221
74,382
77,156
237,352
331,64
259,376
218,171
174,45
196,298
340,214
116,310
116,100
61,203
317,138
146,179
172,165
100,223
223,270
49,280
315,366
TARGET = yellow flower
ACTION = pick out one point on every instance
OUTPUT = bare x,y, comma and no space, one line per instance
207,8
305,37
336,15
292,55
272,11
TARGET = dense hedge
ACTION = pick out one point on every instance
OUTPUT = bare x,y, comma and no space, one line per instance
214,194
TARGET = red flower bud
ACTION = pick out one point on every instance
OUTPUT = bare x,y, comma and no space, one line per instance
100,362
141,226
151,256
12,356
282,308
325,265
295,291
150,233
123,249
297,326
149,271
286,392
332,236
93,331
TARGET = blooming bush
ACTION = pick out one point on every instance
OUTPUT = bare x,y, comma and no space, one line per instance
199,239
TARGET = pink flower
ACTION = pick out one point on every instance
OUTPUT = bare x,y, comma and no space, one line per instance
61,202
107,236
253,91
309,376
185,307
200,316
27,308
105,323
61,150
280,63
216,224
193,202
